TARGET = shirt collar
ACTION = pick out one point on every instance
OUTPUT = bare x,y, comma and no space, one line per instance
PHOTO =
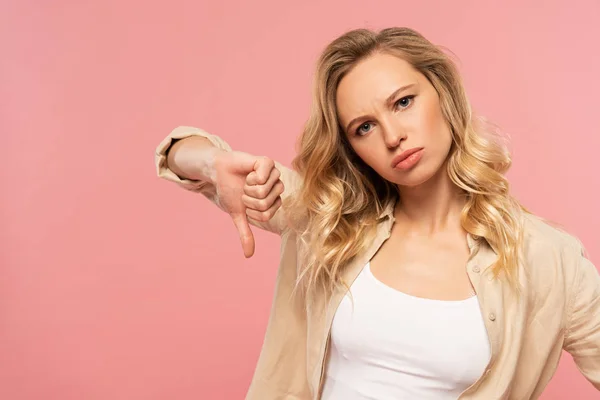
388,210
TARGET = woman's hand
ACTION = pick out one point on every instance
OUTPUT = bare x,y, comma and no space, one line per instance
248,187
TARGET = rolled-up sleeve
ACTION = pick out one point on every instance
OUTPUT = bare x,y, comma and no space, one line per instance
582,339
160,157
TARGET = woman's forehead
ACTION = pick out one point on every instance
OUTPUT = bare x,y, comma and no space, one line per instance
370,83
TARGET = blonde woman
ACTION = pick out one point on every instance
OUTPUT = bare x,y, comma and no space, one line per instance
408,271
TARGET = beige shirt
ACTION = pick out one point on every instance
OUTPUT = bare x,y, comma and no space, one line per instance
559,306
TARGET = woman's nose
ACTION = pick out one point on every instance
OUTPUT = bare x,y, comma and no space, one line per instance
392,135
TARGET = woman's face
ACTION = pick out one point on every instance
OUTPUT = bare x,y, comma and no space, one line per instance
385,108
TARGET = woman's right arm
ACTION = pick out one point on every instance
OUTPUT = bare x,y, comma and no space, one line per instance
206,164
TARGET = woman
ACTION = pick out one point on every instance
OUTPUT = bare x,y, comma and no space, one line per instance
408,271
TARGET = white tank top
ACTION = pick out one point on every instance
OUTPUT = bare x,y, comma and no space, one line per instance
396,346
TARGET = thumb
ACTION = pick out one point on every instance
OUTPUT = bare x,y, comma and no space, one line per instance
246,237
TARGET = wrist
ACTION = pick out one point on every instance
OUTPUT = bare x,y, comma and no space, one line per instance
204,164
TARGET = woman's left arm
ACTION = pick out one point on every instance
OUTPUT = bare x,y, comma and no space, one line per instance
582,338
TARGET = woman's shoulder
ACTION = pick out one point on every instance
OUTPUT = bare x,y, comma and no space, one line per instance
549,248
543,234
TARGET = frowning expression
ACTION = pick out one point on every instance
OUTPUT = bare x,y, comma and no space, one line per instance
387,108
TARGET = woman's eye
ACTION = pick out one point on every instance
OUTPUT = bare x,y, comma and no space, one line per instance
402,103
405,102
364,128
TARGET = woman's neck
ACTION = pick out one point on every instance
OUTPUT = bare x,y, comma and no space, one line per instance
432,207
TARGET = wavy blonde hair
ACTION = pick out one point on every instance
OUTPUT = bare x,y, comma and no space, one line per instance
341,197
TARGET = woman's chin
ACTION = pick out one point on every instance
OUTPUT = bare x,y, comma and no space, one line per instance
414,178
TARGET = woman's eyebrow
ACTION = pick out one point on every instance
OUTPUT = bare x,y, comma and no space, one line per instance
392,96
389,101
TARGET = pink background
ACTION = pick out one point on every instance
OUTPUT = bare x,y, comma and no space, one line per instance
116,285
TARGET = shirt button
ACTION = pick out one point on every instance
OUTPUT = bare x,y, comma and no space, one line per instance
476,269
492,317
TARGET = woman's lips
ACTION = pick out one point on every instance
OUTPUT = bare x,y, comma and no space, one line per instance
408,159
